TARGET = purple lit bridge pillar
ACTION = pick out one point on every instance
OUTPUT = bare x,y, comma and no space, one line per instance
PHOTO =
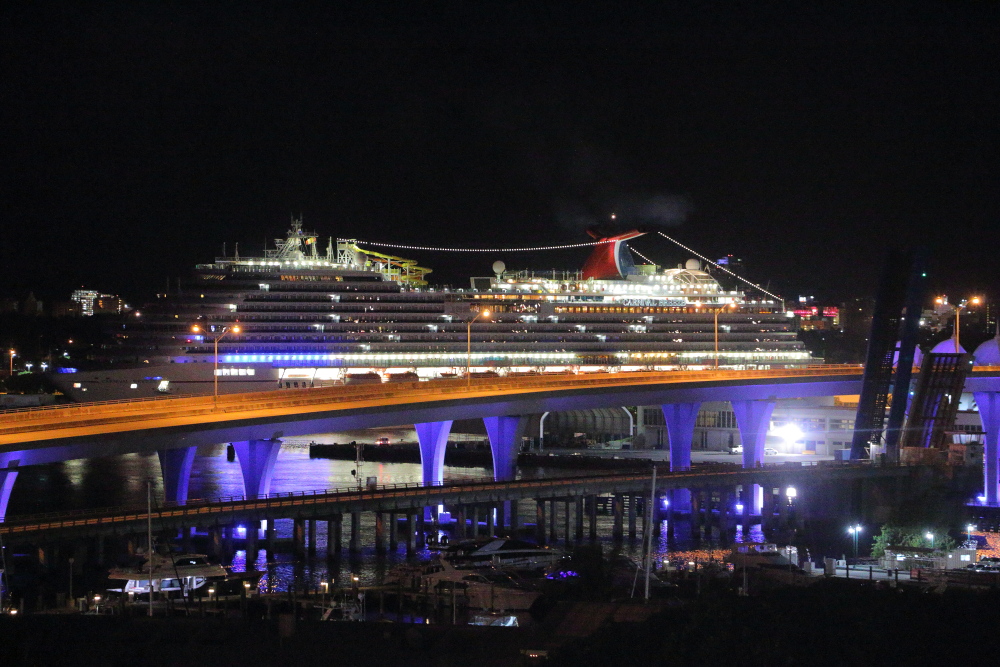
505,435
7,477
175,466
433,438
680,419
257,459
989,412
753,419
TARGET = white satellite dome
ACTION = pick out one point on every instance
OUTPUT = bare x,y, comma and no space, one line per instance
947,346
988,354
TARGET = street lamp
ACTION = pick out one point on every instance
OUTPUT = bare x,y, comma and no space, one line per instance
930,536
855,531
716,312
969,530
12,353
235,329
468,345
965,303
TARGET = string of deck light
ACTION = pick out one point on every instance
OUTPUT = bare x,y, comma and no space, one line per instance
429,249
648,260
700,256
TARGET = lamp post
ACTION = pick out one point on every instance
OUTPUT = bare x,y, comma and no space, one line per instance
958,313
12,353
930,537
716,329
235,329
855,531
969,530
468,345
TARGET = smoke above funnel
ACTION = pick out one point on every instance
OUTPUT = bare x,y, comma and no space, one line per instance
659,210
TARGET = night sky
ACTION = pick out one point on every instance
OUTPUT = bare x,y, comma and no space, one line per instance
138,137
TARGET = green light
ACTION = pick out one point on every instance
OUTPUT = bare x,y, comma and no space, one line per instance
924,275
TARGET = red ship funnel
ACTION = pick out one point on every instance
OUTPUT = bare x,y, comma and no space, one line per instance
610,260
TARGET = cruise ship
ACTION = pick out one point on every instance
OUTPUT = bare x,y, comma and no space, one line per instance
301,316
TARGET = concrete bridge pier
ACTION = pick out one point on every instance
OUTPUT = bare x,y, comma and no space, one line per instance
257,458
514,520
491,522
566,533
505,434
270,537
592,516
335,534
433,439
215,540
175,467
299,537
311,524
989,413
393,532
633,500
578,516
354,546
746,500
696,516
253,533
459,515
753,419
7,478
420,539
540,522
379,533
618,513
680,420
475,522
411,533
553,521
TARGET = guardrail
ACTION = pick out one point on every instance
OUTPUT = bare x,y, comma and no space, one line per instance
193,406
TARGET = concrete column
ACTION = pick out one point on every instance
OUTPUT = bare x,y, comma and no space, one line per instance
989,413
270,536
695,512
540,522
379,533
553,509
433,439
393,531
514,520
680,419
411,532
175,467
592,511
566,533
491,524
631,517
312,537
475,521
215,540
354,546
579,518
753,419
335,534
505,435
460,527
7,478
420,539
257,458
618,510
253,534
299,536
